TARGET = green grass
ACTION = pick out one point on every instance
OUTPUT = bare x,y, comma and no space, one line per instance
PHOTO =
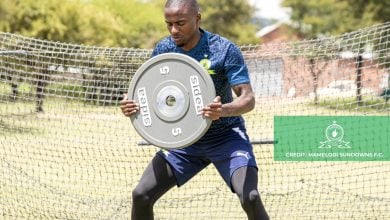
368,104
81,161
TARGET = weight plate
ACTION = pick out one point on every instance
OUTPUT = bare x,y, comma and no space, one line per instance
171,90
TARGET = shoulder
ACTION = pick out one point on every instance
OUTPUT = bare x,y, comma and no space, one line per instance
222,44
218,40
166,45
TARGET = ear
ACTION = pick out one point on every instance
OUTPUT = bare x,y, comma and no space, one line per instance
198,19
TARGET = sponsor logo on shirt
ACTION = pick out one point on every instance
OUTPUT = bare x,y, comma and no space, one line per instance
206,63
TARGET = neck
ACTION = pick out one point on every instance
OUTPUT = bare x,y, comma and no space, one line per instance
193,42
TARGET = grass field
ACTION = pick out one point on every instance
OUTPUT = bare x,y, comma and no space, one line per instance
78,161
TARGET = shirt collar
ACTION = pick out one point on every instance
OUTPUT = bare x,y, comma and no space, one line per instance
202,41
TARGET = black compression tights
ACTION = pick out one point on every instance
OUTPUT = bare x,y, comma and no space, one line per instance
158,179
244,182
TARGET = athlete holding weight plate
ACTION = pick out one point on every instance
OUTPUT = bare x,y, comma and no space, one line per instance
225,143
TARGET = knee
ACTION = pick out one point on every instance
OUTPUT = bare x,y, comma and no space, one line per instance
141,198
249,199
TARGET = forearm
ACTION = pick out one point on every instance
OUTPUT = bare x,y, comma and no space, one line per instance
239,106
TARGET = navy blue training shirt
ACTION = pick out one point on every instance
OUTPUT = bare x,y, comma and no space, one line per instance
225,64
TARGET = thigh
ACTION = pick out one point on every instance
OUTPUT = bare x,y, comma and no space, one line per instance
185,163
245,180
157,178
228,170
231,154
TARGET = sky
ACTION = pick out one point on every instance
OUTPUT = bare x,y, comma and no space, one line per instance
270,9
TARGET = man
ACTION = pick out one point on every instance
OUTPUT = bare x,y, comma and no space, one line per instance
226,143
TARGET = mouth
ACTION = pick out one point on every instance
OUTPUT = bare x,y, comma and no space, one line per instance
177,38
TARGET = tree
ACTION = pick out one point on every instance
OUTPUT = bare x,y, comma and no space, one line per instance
313,18
230,18
95,22
143,21
119,23
66,22
316,18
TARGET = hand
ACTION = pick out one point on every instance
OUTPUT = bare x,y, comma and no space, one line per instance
214,109
128,107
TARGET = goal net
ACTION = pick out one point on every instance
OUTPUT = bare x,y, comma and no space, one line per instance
67,152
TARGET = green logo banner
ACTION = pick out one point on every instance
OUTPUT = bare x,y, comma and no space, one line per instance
332,138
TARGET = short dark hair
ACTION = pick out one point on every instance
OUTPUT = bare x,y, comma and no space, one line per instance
192,4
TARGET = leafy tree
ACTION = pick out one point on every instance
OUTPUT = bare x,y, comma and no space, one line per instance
230,18
49,20
123,23
313,18
143,21
96,22
333,17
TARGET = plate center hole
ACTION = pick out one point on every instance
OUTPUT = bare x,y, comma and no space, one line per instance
170,100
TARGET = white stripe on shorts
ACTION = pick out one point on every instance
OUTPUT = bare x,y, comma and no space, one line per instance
241,133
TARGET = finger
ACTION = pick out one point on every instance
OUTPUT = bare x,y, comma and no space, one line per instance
212,112
128,102
129,106
125,104
215,105
212,116
124,96
217,99
130,113
124,101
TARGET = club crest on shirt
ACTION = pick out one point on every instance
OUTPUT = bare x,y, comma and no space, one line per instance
206,63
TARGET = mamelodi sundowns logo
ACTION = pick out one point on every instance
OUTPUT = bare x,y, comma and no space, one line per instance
332,138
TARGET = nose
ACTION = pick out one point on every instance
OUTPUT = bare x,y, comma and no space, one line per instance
174,29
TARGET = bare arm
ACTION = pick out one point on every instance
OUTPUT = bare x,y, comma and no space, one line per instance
244,103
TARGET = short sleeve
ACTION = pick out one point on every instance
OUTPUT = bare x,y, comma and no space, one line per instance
155,51
236,69
164,46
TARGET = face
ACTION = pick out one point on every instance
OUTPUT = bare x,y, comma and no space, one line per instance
183,25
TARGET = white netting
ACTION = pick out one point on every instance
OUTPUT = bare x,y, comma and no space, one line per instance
66,150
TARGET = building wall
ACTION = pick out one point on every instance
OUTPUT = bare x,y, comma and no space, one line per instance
285,76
